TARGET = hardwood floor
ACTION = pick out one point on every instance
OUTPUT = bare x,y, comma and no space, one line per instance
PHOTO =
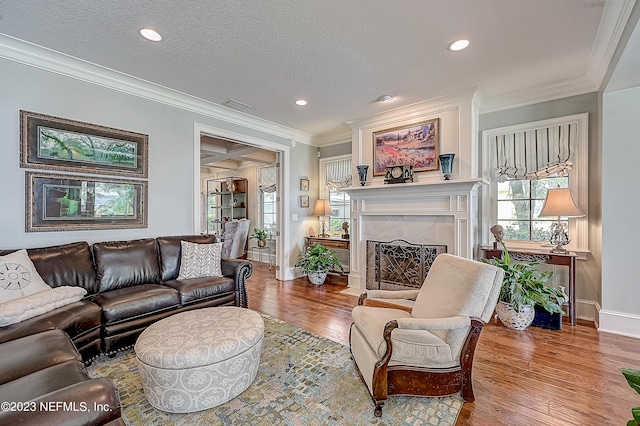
530,377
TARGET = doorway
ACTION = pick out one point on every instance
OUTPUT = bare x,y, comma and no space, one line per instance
220,154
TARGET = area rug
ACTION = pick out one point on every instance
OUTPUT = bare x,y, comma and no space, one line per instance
303,380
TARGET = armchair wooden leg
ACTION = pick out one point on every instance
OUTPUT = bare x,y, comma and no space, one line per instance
377,411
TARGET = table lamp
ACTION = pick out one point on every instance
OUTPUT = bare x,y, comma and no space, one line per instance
559,203
322,210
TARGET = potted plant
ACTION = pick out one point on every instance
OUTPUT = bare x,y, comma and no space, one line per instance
523,288
633,378
316,261
260,235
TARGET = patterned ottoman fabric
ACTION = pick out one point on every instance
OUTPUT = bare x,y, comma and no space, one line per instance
199,359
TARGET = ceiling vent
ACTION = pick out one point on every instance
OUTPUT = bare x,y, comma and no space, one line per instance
231,103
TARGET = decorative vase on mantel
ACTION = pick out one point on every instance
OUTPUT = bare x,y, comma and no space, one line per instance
446,164
362,173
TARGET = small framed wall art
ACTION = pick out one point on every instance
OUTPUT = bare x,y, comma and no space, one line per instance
304,184
304,201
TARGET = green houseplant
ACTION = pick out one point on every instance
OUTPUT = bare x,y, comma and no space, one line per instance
633,378
316,261
523,287
260,235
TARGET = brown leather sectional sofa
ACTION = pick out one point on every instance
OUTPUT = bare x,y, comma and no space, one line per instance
130,285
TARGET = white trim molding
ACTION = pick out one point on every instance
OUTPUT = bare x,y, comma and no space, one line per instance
619,323
283,240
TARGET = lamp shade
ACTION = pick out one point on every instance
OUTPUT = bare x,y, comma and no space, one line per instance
559,203
323,208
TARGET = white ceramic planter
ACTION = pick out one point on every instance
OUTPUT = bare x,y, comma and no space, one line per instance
317,278
518,320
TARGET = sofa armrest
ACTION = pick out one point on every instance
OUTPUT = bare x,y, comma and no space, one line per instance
91,402
239,270
35,352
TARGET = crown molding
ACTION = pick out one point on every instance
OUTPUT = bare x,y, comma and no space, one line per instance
614,20
30,54
416,110
565,89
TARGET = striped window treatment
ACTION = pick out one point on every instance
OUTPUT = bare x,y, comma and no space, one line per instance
534,154
338,174
267,179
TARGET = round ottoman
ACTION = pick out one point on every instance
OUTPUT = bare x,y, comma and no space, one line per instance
199,359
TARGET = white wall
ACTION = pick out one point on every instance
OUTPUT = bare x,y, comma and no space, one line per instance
171,151
620,204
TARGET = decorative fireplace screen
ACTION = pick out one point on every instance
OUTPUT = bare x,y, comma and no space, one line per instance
398,264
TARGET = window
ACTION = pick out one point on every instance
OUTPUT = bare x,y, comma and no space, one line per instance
267,185
269,216
335,174
340,204
521,163
519,203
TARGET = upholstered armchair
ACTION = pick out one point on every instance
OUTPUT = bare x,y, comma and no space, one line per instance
429,350
235,238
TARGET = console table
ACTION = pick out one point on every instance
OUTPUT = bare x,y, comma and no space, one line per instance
333,243
563,259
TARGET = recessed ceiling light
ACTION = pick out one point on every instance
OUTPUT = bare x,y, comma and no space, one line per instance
301,102
150,34
385,98
457,45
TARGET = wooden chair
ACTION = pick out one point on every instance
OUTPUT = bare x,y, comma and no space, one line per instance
428,351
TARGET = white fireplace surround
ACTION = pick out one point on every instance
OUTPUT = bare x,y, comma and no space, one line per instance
433,212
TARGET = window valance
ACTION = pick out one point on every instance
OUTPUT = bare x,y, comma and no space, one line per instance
267,179
534,154
338,173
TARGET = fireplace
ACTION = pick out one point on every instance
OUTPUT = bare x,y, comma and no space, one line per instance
399,264
435,213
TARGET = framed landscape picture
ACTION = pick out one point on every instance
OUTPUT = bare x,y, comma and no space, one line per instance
56,202
54,143
414,145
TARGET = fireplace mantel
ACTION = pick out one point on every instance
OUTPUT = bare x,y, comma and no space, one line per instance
425,212
426,185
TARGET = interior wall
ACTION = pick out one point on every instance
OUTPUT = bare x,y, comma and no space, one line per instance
171,150
621,115
589,271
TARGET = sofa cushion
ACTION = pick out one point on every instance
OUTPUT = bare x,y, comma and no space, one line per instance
126,304
200,260
200,289
170,252
39,303
68,264
121,264
19,277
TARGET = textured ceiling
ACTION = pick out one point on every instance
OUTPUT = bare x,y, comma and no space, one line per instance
339,55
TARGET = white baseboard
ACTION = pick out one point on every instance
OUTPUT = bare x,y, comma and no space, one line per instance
619,323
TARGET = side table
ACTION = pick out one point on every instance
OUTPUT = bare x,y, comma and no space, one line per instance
260,251
563,259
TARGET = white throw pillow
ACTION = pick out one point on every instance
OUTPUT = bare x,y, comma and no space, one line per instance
18,277
39,303
200,260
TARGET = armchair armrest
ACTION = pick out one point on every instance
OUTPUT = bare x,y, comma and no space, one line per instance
449,323
388,295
